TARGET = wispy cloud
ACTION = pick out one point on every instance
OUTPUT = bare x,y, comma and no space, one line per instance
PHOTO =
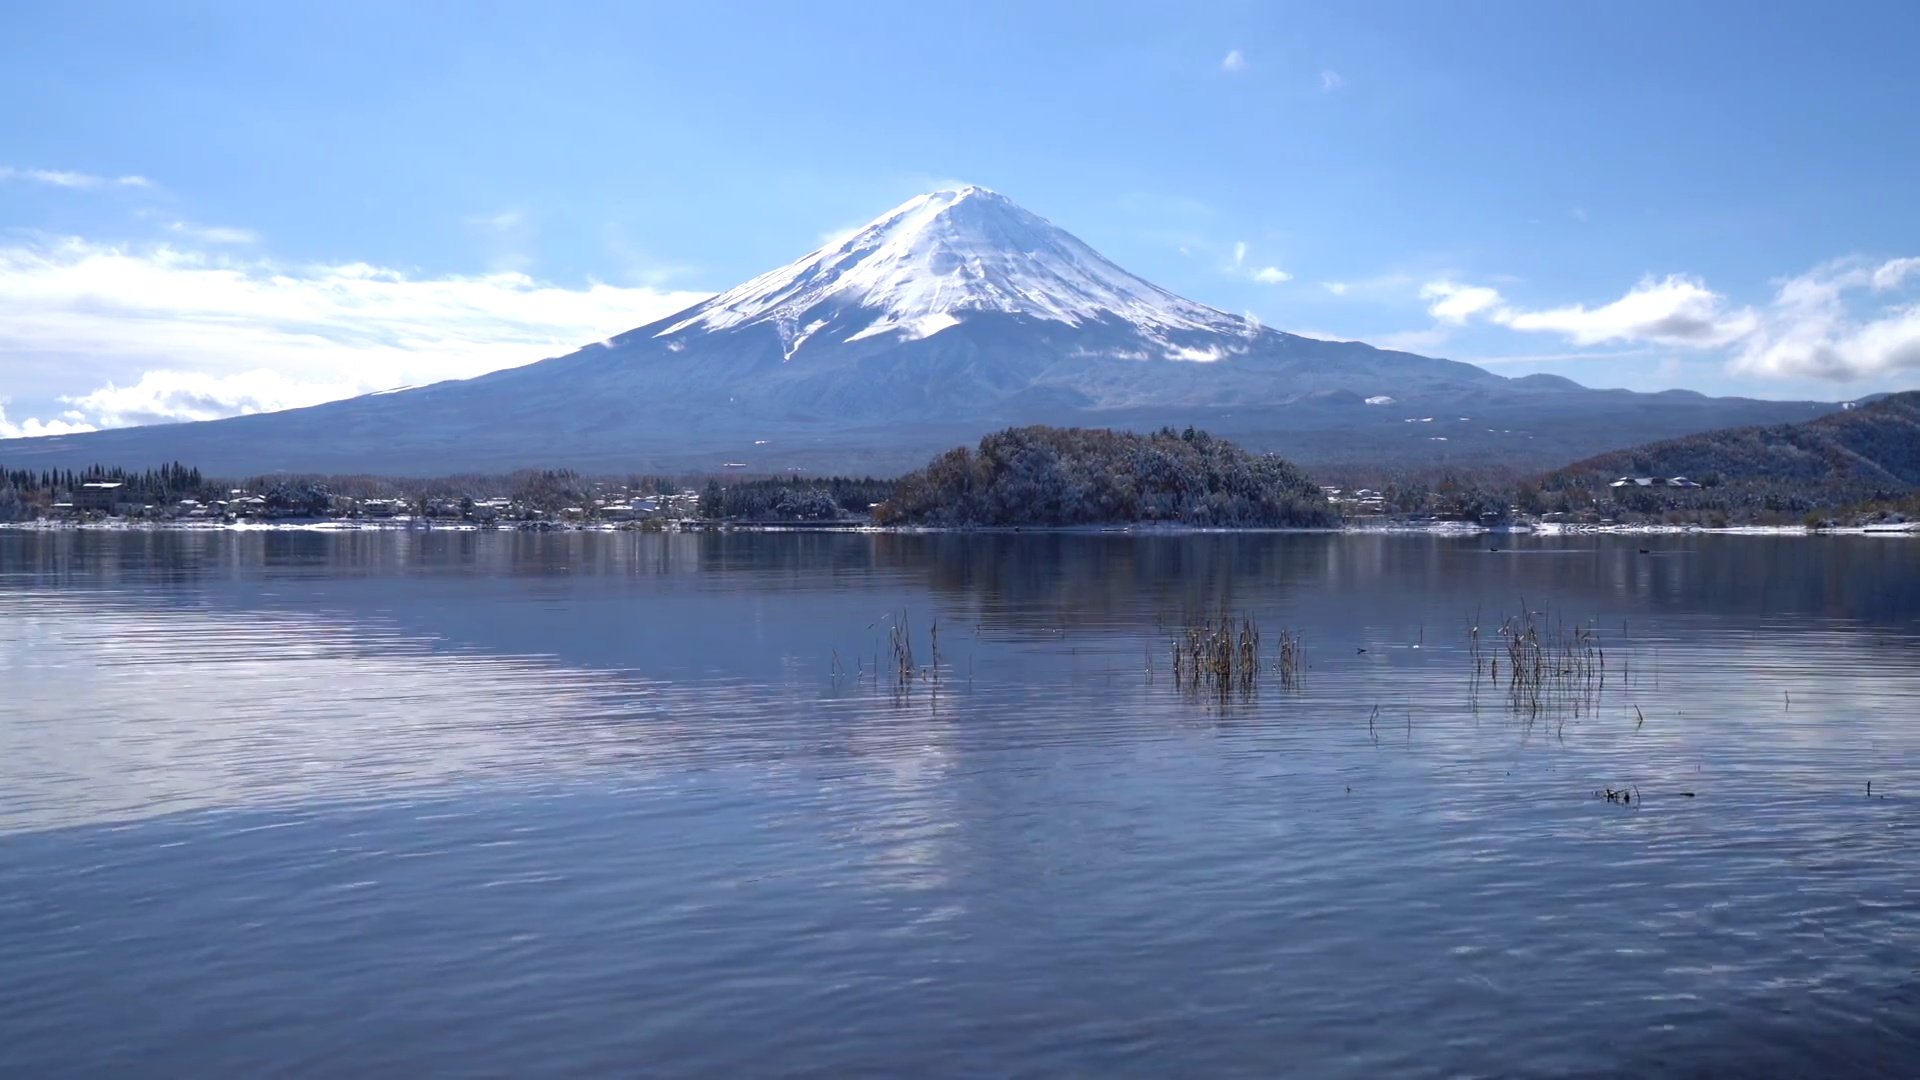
1413,340
165,333
1234,61
919,183
1266,275
1558,357
499,221
639,266
836,237
508,237
212,234
1393,287
1330,81
1847,319
67,179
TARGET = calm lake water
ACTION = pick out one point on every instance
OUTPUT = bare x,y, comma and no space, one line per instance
397,804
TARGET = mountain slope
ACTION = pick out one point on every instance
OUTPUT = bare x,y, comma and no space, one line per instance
956,313
1874,447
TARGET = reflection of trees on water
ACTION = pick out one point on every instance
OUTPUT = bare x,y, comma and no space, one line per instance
1091,580
1065,581
1027,580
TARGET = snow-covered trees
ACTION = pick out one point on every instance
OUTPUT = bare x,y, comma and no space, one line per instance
791,499
1083,476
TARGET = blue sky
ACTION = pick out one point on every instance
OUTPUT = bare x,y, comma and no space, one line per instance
220,207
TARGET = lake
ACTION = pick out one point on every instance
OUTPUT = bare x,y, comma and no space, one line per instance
381,804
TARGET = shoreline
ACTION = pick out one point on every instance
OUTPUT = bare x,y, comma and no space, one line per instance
1445,528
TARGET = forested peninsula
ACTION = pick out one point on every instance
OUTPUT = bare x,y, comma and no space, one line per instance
1053,477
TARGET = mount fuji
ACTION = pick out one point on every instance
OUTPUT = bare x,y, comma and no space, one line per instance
950,315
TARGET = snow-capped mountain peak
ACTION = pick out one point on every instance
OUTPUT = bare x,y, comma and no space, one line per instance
934,260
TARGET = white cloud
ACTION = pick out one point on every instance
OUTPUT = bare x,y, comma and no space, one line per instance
1271,275
1234,61
1893,273
212,234
1337,288
30,428
176,334
1455,303
67,179
1239,253
1813,327
1810,329
1330,81
1674,310
160,397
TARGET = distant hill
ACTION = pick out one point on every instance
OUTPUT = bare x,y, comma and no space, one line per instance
1876,444
1047,476
1872,449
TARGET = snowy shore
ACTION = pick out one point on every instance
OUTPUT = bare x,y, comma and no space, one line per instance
1441,528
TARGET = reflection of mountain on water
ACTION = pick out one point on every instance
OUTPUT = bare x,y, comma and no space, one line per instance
1336,585
681,604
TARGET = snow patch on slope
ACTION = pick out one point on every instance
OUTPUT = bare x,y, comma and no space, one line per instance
913,329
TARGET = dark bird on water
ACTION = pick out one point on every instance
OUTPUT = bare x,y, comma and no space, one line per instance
1646,551
1359,650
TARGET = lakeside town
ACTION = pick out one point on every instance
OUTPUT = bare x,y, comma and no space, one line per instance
94,501
654,505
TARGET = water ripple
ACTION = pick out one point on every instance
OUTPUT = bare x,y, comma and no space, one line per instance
378,806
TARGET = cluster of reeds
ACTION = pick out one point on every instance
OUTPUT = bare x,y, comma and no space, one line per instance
1220,654
900,648
1473,639
1289,666
900,668
1546,662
